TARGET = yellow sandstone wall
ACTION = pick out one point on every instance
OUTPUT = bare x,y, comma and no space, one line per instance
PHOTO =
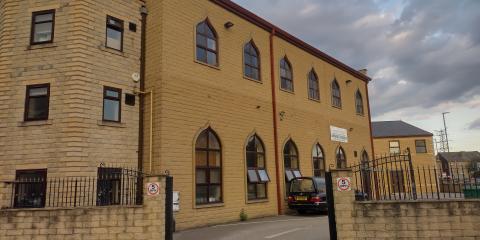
74,140
190,96
381,146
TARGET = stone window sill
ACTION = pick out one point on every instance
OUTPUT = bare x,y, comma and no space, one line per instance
35,123
41,46
257,201
112,51
213,205
111,124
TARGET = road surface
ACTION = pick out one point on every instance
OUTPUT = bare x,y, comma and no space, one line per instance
293,227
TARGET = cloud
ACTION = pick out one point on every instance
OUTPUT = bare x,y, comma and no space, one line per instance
421,54
475,125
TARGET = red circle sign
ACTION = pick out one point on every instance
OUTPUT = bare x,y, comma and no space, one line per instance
343,183
153,188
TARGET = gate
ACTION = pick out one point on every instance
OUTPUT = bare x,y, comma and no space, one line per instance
386,178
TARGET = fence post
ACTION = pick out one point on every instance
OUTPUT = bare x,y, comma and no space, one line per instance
75,195
412,175
169,208
331,206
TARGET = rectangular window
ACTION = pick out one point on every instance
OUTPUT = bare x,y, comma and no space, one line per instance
43,24
112,99
109,186
37,102
257,184
394,147
420,146
30,188
114,33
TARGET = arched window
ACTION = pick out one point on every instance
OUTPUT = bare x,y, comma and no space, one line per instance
313,88
256,171
336,95
208,168
251,61
359,103
318,161
286,75
290,160
341,158
207,46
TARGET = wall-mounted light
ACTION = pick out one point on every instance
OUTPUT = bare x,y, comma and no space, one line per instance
228,25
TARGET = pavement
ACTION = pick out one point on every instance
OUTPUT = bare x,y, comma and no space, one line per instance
285,227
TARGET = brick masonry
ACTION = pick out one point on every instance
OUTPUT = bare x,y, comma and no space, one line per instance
114,222
190,96
381,146
74,140
453,219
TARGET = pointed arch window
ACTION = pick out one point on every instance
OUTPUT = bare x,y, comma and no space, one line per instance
341,158
208,168
313,86
286,75
336,94
291,163
251,61
257,175
318,159
207,44
359,103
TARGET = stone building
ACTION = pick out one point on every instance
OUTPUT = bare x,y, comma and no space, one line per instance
234,106
268,102
66,86
465,160
394,137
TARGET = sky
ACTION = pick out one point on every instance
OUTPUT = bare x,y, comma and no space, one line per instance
423,56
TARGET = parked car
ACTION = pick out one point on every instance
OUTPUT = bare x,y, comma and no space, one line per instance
307,194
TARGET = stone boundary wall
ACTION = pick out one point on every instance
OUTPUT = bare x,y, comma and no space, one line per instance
114,222
447,219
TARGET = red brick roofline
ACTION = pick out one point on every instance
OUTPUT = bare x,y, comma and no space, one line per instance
262,23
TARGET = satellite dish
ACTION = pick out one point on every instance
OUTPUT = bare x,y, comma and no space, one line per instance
136,77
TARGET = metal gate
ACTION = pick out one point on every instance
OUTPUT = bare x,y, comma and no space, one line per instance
385,178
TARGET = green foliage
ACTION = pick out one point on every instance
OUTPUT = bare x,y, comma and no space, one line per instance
243,215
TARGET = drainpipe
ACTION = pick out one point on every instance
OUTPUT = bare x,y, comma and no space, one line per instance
275,130
141,112
375,177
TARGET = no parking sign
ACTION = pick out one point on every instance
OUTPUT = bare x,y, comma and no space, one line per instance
153,189
344,184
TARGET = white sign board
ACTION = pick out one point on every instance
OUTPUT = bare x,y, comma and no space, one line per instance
344,184
338,134
153,189
176,201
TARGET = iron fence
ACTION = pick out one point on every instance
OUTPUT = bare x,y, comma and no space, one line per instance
394,177
111,186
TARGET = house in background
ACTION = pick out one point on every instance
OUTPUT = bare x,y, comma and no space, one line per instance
394,137
459,160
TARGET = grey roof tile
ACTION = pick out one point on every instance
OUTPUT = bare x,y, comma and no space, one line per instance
396,129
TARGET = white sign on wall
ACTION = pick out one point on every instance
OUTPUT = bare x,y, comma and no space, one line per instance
338,134
176,201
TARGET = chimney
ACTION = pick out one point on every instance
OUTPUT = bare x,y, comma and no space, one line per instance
364,71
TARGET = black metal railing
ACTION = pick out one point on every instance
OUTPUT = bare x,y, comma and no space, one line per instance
394,177
111,186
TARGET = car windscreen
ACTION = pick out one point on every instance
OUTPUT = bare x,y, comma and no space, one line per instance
321,186
302,185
